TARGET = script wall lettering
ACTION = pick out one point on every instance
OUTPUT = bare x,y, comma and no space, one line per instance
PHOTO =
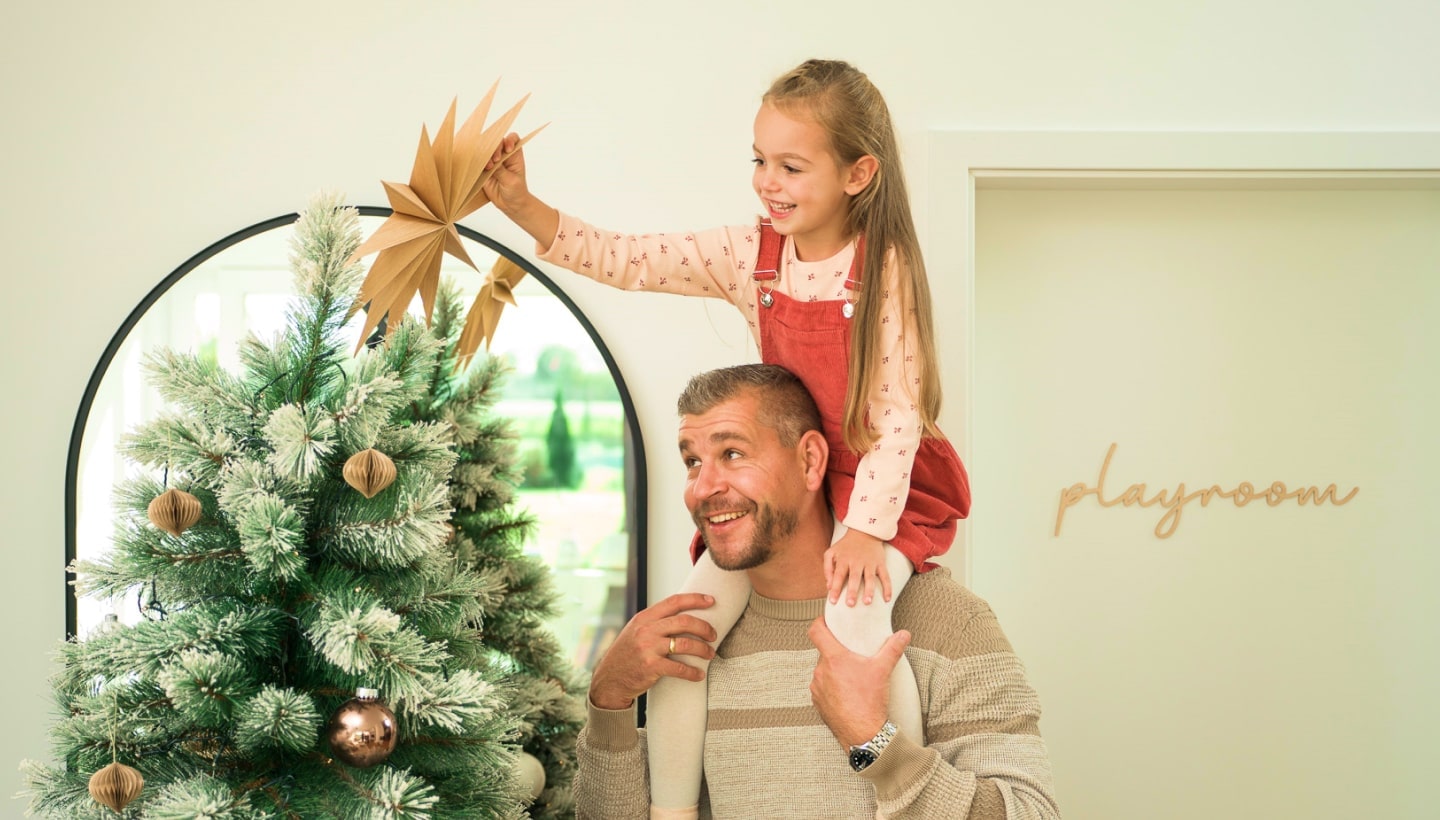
1173,502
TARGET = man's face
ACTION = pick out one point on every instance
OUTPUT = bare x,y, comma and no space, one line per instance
743,487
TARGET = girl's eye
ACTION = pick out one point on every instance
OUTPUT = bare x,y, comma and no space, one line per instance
791,169
758,161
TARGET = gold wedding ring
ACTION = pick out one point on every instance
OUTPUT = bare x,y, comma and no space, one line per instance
672,646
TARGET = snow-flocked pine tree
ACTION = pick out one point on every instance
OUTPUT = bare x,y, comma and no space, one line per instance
293,589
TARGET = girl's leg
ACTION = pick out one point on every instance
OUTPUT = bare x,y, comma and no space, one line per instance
676,710
864,629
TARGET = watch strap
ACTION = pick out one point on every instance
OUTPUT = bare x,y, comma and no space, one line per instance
862,756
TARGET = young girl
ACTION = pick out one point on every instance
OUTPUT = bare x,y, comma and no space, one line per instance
833,286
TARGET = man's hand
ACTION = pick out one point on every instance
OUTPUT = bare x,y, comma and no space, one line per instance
641,654
855,559
852,692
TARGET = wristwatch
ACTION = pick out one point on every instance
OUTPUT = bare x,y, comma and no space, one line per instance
868,752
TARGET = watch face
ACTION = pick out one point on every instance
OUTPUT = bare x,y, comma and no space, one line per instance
861,758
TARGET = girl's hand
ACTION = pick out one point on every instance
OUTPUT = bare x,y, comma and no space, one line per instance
509,192
856,559
506,187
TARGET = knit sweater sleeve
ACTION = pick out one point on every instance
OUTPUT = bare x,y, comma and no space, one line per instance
984,758
612,781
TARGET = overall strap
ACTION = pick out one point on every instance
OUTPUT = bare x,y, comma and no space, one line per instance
767,265
852,282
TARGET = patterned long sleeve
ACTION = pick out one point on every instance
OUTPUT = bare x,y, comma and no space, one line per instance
882,480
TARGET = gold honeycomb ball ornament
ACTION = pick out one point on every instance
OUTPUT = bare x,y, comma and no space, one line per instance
174,511
370,472
115,786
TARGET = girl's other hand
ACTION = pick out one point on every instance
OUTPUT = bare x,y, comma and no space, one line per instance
856,560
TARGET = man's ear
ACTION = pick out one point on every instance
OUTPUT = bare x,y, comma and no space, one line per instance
814,456
862,172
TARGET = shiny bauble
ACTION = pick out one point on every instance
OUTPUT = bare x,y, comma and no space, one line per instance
362,732
115,786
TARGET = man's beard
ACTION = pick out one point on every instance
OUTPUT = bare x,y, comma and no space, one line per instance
770,526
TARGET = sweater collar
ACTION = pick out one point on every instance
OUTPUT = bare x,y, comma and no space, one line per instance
806,610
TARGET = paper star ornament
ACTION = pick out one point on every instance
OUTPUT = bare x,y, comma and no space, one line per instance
484,316
446,185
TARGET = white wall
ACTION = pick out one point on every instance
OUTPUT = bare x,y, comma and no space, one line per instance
136,134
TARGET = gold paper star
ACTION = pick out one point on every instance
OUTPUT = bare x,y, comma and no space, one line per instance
484,316
446,185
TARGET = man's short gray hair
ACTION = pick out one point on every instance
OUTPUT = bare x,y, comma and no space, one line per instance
785,405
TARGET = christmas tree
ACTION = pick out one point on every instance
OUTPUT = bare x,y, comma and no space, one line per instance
318,525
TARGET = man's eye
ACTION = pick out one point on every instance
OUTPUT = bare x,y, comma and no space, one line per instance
733,454
691,462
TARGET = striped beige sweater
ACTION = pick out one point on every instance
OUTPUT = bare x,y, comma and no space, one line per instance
768,753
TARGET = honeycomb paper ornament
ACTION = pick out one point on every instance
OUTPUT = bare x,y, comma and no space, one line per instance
370,472
174,511
115,786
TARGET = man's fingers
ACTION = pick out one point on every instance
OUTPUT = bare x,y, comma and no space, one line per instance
672,668
685,645
686,624
894,647
677,603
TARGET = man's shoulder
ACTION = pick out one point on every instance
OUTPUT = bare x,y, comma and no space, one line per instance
945,617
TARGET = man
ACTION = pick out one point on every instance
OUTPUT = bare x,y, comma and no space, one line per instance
797,724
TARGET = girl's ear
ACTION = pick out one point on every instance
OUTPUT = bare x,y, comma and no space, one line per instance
862,171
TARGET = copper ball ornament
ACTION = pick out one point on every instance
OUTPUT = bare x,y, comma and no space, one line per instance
115,786
369,471
174,511
362,731
531,774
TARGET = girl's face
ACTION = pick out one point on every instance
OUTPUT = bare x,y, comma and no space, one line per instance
806,193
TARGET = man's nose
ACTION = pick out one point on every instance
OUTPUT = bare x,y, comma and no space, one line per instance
708,481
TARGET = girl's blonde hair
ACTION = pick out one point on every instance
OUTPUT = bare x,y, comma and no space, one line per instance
843,101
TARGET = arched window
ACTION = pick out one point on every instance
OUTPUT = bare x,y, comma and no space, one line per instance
579,438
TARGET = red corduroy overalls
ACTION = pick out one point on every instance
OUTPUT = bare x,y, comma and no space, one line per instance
812,340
